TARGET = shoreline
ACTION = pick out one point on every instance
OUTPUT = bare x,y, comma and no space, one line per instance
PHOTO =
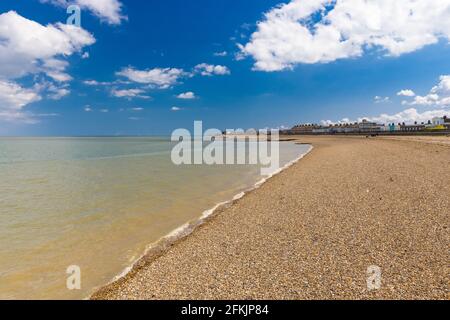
159,247
311,231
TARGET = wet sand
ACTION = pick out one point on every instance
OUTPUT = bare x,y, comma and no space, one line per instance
312,231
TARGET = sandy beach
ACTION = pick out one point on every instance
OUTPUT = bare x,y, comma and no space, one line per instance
312,231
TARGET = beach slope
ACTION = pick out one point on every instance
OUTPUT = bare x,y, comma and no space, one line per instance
313,231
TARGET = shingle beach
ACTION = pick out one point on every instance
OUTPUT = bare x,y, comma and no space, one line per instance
312,231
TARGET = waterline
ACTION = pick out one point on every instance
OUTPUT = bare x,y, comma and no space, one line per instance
188,228
59,210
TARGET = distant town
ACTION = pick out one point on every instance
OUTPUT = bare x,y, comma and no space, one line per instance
433,126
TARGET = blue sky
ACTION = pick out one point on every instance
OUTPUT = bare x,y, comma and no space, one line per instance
241,74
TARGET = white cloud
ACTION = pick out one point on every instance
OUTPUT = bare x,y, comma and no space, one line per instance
129,93
88,109
162,78
174,109
109,11
321,31
99,83
221,54
443,86
13,98
406,93
428,100
379,99
91,82
58,93
85,55
439,95
240,55
53,91
186,95
104,110
408,116
208,69
330,122
55,69
59,76
27,47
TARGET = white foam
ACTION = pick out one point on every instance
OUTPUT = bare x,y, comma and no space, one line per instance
187,228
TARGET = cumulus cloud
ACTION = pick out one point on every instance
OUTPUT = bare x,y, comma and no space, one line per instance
428,100
129,93
109,11
186,95
91,82
439,95
408,116
59,76
162,78
220,54
13,98
379,99
208,69
27,47
58,93
94,83
330,122
443,87
406,93
52,90
322,31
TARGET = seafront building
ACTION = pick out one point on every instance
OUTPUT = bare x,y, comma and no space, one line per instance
435,125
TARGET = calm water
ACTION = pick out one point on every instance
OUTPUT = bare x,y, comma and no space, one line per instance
97,203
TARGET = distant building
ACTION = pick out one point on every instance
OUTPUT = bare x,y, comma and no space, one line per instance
439,124
447,122
392,127
438,121
368,127
412,127
322,130
303,129
345,128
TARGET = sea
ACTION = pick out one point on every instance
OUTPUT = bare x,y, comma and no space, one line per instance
98,204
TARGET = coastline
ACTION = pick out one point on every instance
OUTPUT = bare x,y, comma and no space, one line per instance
158,248
285,249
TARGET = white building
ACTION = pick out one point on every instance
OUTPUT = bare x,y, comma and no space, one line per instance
438,121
